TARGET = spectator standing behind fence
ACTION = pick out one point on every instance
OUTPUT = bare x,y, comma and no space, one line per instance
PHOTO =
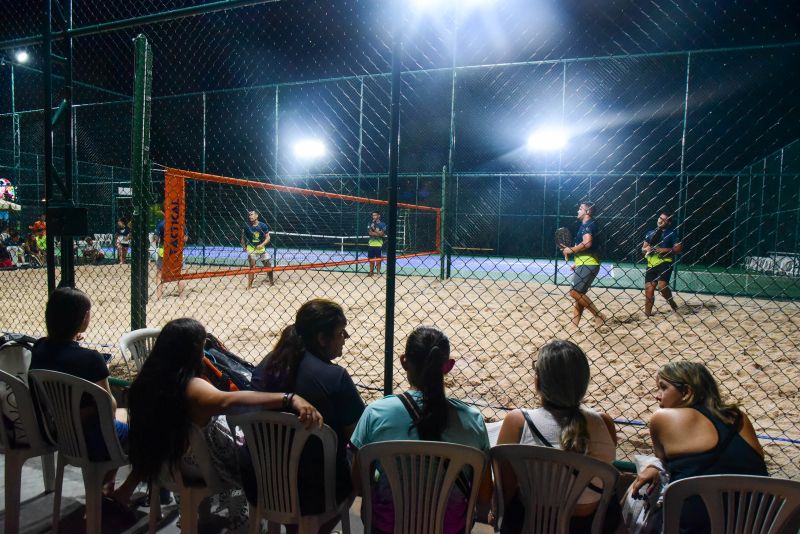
123,239
562,378
302,362
67,317
168,398
435,418
696,433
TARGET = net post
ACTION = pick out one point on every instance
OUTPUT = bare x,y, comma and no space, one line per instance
140,167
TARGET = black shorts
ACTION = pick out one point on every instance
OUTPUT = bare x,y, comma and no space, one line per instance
374,252
658,273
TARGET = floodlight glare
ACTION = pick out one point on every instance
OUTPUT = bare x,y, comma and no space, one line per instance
22,56
547,140
309,149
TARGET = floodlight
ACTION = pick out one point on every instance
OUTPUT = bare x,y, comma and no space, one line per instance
22,56
548,140
308,149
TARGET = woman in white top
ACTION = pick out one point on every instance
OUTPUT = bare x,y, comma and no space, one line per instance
562,378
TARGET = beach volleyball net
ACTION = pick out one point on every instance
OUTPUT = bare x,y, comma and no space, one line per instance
205,216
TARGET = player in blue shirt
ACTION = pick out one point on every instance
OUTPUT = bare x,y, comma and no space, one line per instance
255,238
660,247
587,265
376,231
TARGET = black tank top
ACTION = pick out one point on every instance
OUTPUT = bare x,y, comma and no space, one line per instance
736,457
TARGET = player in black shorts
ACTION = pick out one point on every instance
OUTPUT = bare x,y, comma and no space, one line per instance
660,247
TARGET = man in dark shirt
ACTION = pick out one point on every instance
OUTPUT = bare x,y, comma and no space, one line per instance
587,265
255,238
660,247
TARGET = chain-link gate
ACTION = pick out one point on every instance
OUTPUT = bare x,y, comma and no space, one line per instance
512,113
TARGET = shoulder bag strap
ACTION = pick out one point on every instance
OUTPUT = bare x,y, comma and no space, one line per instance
534,430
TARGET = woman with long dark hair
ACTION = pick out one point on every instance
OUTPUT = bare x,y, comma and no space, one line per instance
562,422
302,362
696,433
168,398
426,361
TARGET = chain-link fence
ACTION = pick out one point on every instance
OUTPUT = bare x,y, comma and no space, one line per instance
512,113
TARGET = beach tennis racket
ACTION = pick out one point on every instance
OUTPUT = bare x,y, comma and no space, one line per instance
563,238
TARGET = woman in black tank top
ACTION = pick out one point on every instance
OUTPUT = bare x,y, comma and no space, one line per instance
695,433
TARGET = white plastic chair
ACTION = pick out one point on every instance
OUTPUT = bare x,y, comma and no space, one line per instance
550,481
736,504
17,452
138,345
275,441
421,475
190,488
60,397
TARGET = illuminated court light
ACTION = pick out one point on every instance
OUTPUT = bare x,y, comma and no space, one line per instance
547,140
22,56
308,149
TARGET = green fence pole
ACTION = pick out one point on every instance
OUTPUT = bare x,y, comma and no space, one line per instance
203,222
442,222
394,164
140,173
360,168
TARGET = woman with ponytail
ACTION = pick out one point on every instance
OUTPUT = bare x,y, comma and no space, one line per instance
302,362
435,418
562,378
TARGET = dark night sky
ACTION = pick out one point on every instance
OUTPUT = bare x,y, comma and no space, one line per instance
626,114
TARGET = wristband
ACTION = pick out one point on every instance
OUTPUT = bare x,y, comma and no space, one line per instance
286,400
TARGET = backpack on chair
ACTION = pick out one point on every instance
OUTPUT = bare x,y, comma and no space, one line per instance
223,369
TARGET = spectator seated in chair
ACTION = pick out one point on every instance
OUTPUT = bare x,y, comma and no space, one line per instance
426,361
562,378
92,253
169,397
67,316
302,362
696,433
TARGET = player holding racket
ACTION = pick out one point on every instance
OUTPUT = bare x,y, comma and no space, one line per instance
587,265
660,246
255,238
